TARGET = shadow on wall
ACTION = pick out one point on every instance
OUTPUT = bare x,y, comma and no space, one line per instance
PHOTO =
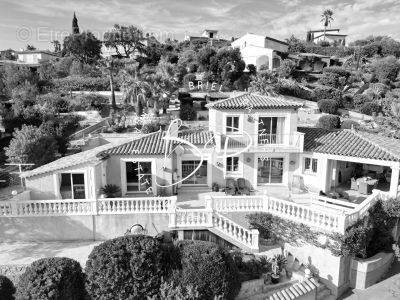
60,228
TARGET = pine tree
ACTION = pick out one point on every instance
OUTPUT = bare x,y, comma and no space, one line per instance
75,26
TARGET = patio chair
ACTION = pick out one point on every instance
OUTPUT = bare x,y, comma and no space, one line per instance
230,186
353,185
242,188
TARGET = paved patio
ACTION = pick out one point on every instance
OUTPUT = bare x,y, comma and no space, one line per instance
21,253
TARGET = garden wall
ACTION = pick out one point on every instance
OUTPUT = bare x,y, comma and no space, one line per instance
77,228
366,272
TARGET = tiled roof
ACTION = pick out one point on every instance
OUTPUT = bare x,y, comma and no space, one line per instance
350,143
197,137
151,144
85,157
253,101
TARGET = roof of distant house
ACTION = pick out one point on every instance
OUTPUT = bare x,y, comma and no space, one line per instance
330,34
197,137
275,40
36,52
254,101
353,143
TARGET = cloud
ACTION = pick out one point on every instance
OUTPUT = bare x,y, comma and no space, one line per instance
174,18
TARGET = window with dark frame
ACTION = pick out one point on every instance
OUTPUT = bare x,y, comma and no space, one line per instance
310,165
232,164
232,124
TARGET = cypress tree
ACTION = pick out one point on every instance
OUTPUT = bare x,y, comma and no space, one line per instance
75,26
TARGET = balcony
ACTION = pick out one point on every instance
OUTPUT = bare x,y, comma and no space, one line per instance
261,142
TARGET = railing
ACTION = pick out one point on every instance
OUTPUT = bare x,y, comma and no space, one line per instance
81,134
236,203
135,205
189,218
239,141
332,203
244,236
326,220
42,208
30,208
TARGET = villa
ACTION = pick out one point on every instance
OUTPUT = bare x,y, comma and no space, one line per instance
260,50
253,151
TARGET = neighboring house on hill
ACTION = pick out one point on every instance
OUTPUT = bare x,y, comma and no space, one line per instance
260,50
332,36
34,58
207,34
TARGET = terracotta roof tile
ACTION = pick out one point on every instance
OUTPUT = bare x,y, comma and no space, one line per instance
253,101
350,143
151,144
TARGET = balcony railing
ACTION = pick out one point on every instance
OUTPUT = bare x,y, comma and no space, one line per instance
241,141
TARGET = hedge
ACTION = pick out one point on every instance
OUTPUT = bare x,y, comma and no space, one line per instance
58,278
7,288
329,122
328,106
187,112
326,92
349,124
360,99
370,108
210,269
79,83
129,267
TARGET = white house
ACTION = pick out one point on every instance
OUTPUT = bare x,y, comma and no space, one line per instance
207,34
253,149
260,50
35,57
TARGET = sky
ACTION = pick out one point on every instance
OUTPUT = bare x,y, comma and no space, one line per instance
38,22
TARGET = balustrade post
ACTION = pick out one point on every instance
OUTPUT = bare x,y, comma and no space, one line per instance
265,200
342,223
209,202
172,204
254,239
172,218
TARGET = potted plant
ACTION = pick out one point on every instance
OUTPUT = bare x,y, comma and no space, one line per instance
111,191
279,263
215,187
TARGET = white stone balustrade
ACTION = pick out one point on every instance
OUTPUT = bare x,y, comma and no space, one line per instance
189,218
247,237
136,205
238,203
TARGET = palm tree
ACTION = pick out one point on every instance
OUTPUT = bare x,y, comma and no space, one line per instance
326,18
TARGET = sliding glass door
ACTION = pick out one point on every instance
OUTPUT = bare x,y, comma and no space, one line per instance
270,170
138,176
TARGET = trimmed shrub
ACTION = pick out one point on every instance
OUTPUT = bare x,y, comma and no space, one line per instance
386,69
7,288
326,92
348,124
210,269
187,112
290,87
360,99
329,122
129,267
328,106
370,108
342,72
52,278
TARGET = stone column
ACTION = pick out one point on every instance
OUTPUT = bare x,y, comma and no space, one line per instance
394,181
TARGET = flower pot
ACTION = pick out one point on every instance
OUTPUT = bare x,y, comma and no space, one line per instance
275,278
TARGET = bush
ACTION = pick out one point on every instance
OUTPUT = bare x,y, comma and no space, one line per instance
360,99
7,288
329,122
79,83
286,68
290,87
328,106
370,108
52,278
349,124
187,112
129,267
386,69
210,269
150,127
342,72
325,92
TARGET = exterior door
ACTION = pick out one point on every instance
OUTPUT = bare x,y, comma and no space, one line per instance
198,178
138,176
270,171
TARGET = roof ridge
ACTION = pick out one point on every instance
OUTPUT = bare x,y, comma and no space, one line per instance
223,100
360,135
